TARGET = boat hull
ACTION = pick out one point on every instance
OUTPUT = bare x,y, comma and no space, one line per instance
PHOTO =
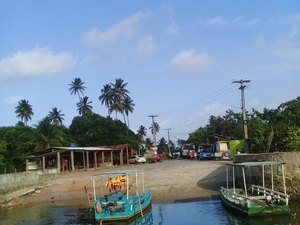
255,209
123,210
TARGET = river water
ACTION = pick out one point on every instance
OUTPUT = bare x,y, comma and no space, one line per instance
181,213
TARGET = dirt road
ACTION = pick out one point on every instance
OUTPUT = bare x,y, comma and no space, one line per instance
170,180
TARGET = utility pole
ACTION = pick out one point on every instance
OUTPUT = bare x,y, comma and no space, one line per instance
169,141
242,87
153,130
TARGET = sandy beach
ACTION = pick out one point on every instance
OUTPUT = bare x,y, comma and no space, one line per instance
170,181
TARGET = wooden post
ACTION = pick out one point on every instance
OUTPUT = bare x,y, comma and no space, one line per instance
58,161
72,161
103,157
95,160
27,166
43,164
121,157
87,160
111,158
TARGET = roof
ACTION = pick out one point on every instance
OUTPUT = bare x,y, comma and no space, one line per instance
54,150
250,164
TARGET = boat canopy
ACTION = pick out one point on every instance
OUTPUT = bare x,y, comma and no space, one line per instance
251,164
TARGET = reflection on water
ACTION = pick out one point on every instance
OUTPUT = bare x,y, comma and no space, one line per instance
200,212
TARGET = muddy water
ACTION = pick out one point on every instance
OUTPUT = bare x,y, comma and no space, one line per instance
190,213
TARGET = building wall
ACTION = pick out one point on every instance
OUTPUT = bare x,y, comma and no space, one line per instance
292,168
15,181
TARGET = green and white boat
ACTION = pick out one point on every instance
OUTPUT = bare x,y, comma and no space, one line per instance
255,200
122,196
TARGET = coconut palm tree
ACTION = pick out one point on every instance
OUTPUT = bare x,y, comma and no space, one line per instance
156,128
128,107
119,93
48,135
24,111
106,97
77,87
142,132
55,116
84,106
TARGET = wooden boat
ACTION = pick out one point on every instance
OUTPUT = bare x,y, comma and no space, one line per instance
254,200
123,196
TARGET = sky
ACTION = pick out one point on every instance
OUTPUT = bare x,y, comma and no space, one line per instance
178,58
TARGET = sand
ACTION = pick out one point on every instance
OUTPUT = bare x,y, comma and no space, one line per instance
170,181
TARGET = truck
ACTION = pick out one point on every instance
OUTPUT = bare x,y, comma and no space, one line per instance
188,151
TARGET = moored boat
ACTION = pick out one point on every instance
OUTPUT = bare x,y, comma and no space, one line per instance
122,195
252,199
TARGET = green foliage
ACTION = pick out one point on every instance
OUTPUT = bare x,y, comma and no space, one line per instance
16,143
283,121
95,130
162,146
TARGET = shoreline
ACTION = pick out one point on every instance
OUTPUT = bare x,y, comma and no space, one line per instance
170,181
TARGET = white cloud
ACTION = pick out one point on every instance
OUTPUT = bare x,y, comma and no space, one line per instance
215,109
239,21
242,21
172,29
37,62
12,100
124,30
190,60
146,45
284,51
215,21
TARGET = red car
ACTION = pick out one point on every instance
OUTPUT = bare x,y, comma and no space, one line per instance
156,158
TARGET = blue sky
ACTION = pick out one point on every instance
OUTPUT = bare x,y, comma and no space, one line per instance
179,58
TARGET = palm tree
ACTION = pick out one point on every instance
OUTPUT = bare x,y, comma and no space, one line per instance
48,135
128,107
141,132
77,87
156,128
106,97
119,93
84,106
55,116
24,111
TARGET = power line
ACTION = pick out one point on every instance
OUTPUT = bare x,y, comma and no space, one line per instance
202,101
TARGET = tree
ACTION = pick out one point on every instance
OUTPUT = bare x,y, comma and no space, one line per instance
106,97
77,87
119,93
149,143
24,111
49,135
95,130
84,106
55,116
156,128
162,146
128,107
142,132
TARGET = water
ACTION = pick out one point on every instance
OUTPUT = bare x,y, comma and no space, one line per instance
190,213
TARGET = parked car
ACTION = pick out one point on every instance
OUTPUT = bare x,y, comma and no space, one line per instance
137,159
206,153
156,158
191,154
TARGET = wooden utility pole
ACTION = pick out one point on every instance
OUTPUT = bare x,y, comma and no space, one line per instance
242,87
153,130
169,141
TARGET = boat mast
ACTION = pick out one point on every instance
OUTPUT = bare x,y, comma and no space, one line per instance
283,177
244,178
227,176
127,186
94,189
233,179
